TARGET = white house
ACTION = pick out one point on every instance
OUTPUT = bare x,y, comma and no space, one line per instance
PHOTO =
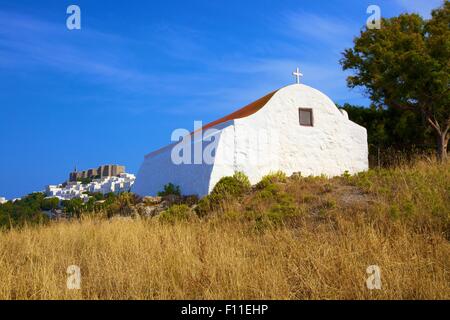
121,183
294,129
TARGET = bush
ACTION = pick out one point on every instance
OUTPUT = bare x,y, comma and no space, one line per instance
177,212
270,192
204,206
49,204
227,189
283,207
233,186
97,196
346,175
73,207
170,189
122,205
243,179
271,204
27,211
276,177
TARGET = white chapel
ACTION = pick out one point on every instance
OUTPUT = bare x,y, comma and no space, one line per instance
295,129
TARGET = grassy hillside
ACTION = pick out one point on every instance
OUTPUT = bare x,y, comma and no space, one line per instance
286,238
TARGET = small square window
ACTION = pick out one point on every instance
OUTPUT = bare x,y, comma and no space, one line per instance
306,117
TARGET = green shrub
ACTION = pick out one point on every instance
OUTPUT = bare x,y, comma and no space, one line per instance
49,204
27,211
270,191
276,177
177,212
170,189
121,205
73,207
97,196
233,186
227,189
285,206
270,206
276,215
204,206
243,179
346,175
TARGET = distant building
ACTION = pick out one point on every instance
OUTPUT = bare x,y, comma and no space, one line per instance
76,189
3,200
108,170
104,179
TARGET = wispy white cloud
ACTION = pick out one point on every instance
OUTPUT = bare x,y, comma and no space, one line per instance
319,29
29,42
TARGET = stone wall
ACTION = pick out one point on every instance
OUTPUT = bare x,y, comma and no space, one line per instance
108,170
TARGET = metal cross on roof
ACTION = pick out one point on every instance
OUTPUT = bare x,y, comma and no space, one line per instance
297,74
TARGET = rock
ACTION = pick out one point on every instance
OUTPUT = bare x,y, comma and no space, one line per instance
152,206
173,199
152,210
149,211
152,200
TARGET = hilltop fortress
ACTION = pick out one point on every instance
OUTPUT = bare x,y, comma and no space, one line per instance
107,170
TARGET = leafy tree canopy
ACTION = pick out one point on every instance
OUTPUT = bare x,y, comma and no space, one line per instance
406,65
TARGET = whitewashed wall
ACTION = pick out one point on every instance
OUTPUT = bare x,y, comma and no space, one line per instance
159,170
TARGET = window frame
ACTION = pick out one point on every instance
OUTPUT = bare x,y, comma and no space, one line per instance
312,117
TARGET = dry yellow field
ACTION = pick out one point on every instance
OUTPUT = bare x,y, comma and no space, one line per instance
321,256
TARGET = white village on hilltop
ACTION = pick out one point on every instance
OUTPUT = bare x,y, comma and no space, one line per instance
104,179
295,129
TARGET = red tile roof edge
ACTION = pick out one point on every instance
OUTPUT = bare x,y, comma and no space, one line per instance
246,111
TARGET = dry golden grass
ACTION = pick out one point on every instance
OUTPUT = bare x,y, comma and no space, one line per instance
320,253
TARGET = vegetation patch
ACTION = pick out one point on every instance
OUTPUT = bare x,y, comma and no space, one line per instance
276,177
228,189
170,189
176,213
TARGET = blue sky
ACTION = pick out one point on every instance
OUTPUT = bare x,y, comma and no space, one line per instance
114,90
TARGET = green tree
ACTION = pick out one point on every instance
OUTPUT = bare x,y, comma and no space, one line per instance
49,204
405,65
392,128
28,210
170,189
73,207
122,204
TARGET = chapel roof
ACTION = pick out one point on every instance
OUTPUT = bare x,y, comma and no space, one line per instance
243,112
238,114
